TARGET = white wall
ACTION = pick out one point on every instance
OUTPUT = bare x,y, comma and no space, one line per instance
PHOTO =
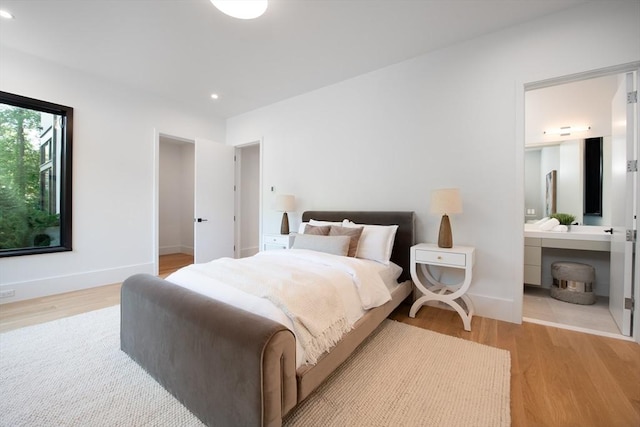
451,118
113,175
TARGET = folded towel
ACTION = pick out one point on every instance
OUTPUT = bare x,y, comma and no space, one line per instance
561,228
548,225
541,221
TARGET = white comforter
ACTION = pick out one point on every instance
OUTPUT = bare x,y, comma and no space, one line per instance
318,296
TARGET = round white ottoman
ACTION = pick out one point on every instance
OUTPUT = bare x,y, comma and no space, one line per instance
573,282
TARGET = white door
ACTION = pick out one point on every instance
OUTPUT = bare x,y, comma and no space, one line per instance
622,204
214,201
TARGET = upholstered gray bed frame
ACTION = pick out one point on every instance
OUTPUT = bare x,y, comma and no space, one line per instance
230,367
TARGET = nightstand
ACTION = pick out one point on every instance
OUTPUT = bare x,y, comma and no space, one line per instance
277,241
425,255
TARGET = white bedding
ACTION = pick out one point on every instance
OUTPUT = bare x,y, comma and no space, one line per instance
357,284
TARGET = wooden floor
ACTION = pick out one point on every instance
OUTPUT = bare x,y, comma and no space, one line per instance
558,377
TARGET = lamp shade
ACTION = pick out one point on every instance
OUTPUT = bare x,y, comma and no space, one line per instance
446,201
285,203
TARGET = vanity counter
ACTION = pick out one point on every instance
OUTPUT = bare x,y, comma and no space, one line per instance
577,232
579,238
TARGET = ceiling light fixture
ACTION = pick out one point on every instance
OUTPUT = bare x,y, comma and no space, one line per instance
214,96
566,130
5,14
241,9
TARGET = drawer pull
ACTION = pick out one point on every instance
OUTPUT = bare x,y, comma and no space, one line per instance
439,257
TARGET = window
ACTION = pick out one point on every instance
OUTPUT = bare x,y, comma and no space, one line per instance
35,176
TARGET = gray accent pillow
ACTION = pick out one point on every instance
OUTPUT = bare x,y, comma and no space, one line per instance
319,230
336,245
353,233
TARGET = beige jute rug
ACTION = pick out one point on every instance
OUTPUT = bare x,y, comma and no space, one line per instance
71,372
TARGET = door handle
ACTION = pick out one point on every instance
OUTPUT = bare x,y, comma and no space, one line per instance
201,220
610,231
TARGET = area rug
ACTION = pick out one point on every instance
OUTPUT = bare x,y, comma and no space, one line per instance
71,372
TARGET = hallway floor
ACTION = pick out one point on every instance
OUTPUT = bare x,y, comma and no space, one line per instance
539,305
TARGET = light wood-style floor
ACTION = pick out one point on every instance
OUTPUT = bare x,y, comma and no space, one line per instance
558,377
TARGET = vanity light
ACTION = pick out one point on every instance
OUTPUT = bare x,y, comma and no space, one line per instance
6,15
241,9
567,130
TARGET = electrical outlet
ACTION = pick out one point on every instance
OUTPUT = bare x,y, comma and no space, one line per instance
8,293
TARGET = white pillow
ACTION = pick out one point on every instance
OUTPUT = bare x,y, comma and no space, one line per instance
336,245
376,241
301,228
317,223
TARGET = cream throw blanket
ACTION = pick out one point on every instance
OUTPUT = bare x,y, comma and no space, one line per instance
308,299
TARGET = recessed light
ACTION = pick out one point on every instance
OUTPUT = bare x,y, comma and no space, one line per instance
6,15
214,96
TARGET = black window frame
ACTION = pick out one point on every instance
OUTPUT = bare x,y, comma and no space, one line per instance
65,178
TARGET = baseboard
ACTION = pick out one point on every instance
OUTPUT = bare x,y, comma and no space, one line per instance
247,252
61,284
176,249
493,308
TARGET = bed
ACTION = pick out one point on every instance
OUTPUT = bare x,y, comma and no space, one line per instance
231,367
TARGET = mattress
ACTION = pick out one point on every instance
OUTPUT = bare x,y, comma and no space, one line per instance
359,284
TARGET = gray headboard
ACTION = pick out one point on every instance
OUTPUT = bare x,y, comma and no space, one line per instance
405,236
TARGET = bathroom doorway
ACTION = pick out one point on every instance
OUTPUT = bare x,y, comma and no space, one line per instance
560,116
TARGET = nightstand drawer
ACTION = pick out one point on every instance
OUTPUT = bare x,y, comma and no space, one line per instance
443,258
277,240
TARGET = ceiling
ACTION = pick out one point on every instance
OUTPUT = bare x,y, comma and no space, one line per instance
184,50
580,103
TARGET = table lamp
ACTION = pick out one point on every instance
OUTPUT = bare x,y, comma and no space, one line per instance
446,201
285,203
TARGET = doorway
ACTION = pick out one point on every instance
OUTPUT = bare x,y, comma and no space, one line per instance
176,158
584,102
248,199
201,174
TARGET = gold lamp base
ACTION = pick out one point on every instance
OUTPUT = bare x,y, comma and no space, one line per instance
284,227
445,239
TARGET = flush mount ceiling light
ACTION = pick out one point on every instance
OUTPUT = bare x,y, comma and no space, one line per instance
214,96
566,130
241,9
6,15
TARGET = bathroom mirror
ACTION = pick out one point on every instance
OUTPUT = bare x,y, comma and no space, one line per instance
574,169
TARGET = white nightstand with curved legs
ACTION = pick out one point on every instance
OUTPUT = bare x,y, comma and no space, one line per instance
461,257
